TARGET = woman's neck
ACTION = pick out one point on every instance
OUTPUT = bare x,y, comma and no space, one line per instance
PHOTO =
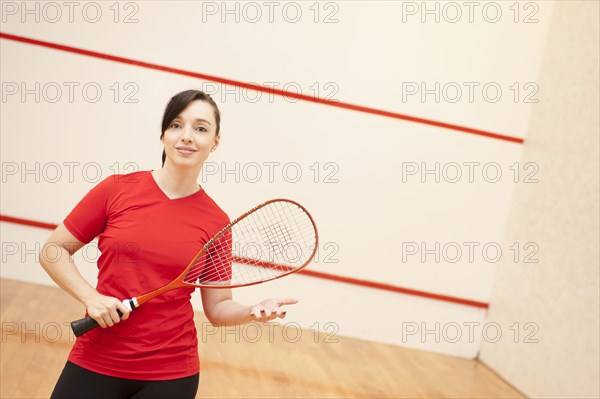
176,183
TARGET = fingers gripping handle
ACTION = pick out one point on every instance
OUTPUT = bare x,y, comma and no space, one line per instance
86,324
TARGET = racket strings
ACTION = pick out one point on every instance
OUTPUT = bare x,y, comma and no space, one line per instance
216,264
263,260
295,221
274,239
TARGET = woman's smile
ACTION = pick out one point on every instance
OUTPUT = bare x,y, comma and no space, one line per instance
185,150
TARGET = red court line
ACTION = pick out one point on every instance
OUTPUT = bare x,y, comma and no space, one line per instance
27,222
312,273
270,90
394,288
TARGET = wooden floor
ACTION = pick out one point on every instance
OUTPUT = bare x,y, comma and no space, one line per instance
34,350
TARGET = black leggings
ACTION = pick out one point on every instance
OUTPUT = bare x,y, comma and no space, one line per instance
77,382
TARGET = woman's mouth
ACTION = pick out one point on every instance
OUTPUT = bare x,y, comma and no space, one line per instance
185,150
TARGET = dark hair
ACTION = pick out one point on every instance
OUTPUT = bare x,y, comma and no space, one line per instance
179,102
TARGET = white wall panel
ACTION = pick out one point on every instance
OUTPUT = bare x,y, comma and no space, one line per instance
369,212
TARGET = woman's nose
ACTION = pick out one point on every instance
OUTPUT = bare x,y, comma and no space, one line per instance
186,135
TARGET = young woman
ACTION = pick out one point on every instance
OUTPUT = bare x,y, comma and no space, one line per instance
149,224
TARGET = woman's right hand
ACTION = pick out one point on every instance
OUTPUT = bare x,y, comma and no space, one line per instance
104,308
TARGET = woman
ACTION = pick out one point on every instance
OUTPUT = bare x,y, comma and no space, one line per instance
149,224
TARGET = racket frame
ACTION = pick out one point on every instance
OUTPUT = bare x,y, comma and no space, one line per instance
179,282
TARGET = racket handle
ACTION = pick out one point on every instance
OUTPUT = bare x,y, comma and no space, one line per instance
86,324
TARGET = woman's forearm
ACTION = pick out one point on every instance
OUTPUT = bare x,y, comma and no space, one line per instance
55,257
59,265
228,312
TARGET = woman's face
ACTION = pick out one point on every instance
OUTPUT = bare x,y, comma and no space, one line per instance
191,136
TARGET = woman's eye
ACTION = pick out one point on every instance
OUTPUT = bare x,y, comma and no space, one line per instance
174,125
201,129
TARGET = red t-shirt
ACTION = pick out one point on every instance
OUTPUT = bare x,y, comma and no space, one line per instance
146,240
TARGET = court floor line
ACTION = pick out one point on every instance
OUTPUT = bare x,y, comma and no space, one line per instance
270,90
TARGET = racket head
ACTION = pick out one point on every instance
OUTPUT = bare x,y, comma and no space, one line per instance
272,240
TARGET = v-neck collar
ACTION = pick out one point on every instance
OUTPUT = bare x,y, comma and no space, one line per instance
165,196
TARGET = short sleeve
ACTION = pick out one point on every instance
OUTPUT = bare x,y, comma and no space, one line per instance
88,218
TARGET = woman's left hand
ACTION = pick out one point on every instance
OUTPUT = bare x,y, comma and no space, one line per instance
270,309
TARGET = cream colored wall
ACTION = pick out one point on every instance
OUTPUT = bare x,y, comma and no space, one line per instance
364,208
556,301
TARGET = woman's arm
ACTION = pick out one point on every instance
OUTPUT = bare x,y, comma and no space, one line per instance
55,257
222,310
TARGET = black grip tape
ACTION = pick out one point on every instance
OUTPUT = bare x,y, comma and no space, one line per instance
86,324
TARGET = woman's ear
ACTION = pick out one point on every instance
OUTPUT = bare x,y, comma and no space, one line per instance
216,144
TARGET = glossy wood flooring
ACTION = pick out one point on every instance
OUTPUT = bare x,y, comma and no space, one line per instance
261,364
